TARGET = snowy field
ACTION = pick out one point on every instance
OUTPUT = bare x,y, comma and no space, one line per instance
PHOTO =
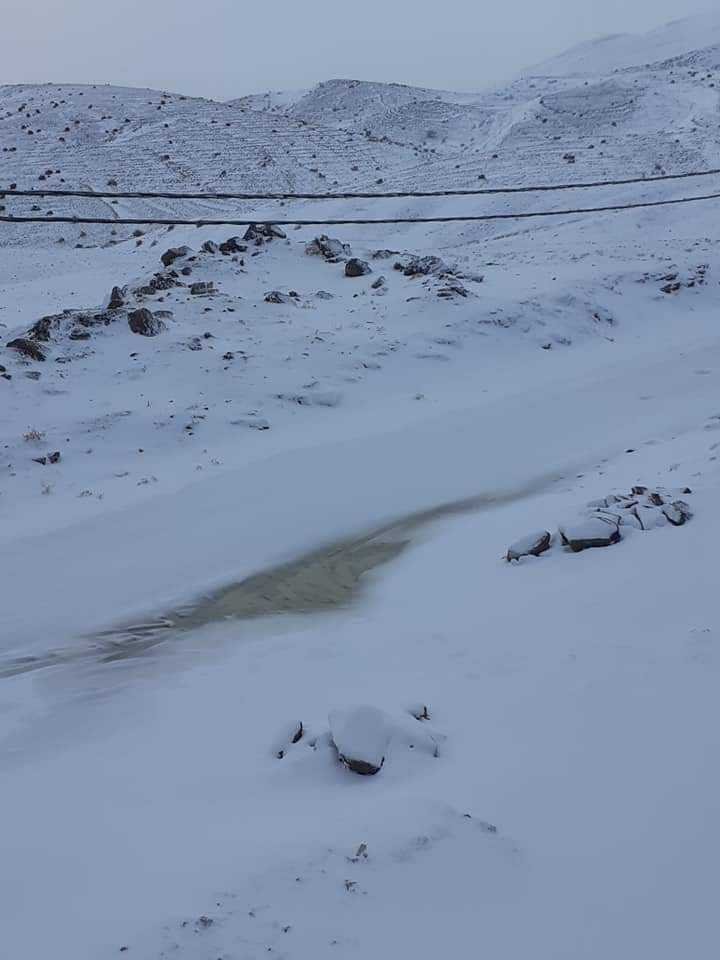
273,543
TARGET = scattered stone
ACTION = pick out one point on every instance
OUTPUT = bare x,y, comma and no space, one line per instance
531,546
590,533
28,348
360,736
145,323
357,268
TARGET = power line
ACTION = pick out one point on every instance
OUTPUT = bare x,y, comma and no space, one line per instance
393,195
358,222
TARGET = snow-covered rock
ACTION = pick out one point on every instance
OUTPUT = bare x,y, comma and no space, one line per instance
361,736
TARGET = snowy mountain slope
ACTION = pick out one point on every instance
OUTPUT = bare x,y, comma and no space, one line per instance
620,51
295,440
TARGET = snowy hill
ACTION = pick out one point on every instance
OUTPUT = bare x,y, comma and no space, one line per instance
620,51
269,682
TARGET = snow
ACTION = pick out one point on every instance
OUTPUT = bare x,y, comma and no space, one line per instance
358,465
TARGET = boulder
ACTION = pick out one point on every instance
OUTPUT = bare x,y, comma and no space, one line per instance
361,736
357,268
144,323
590,533
173,254
678,512
202,289
531,546
117,298
27,348
210,247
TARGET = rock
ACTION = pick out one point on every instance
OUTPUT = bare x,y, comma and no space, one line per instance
117,298
357,268
452,290
28,348
79,333
254,423
330,249
324,295
425,266
593,532
384,254
232,245
678,512
376,284
210,247
361,736
186,271
531,546
276,296
173,254
202,289
43,327
144,323
264,231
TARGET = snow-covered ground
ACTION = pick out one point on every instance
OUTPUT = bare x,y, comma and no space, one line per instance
557,795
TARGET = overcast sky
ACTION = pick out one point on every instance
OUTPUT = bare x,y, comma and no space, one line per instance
225,48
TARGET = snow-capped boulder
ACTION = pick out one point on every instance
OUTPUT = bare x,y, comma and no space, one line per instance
593,532
361,736
530,546
329,248
677,513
